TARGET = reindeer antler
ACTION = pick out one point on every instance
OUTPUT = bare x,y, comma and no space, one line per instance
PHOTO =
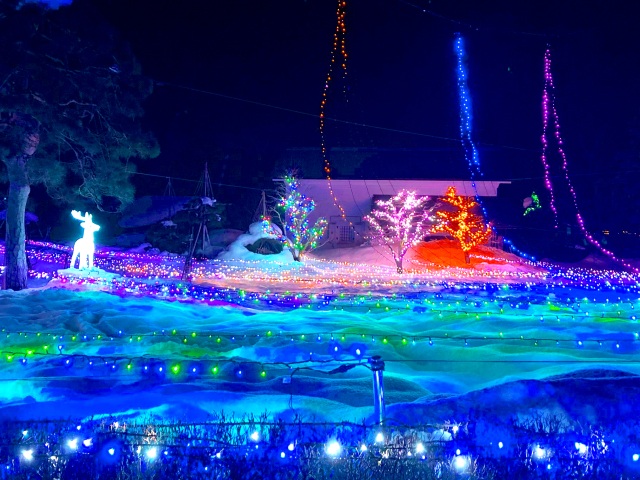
77,215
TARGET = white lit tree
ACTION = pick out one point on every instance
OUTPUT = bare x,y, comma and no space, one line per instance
399,223
293,210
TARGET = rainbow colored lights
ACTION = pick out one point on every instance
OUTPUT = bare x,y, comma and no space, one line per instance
299,236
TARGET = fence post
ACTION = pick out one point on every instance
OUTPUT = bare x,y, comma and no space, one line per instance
377,368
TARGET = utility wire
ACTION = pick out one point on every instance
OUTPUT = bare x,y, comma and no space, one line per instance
337,120
196,181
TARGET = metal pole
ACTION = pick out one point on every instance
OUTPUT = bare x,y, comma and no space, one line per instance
377,368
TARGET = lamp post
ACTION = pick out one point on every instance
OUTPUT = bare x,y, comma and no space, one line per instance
377,368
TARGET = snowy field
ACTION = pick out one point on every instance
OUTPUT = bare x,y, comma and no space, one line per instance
254,336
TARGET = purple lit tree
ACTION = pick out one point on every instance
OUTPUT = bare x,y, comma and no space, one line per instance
399,223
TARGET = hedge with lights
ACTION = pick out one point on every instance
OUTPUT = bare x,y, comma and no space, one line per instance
257,447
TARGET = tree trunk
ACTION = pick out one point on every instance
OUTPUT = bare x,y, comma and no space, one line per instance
467,259
399,265
24,139
15,258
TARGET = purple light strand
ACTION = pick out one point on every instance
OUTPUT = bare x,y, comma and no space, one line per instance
549,109
548,85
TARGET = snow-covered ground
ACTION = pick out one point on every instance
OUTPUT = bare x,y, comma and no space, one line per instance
250,336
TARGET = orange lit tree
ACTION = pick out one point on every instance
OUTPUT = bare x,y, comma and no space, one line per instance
461,223
399,223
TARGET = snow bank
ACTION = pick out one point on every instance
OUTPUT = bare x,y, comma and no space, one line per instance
238,249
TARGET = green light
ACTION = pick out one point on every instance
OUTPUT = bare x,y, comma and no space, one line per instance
263,373
129,366
404,341
385,341
74,338
175,369
269,333
218,340
193,334
174,331
215,370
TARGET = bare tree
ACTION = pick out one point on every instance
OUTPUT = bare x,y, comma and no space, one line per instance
399,223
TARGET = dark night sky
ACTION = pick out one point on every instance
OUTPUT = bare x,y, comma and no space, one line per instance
401,76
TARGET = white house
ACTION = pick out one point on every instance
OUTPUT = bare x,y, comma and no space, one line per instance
356,197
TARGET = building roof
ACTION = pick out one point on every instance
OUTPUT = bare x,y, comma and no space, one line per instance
381,163
435,188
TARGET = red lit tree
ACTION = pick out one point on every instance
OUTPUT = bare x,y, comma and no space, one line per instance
461,223
399,223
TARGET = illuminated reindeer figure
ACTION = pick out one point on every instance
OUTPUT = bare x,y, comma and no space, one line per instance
84,247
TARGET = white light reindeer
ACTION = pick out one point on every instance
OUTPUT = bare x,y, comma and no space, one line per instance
84,247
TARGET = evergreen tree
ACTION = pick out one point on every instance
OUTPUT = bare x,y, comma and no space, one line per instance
70,101
461,223
293,211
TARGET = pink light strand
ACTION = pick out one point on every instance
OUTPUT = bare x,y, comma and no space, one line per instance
548,85
549,109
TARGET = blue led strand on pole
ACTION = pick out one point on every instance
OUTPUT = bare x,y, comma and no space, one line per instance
466,121
466,113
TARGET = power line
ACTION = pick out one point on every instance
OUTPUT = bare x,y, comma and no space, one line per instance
332,119
170,177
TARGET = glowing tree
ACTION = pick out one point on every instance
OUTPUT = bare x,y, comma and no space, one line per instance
293,211
462,224
71,97
399,223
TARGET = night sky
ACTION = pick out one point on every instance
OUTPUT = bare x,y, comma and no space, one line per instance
400,77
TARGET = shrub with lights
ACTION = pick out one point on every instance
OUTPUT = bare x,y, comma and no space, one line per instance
259,447
399,223
293,211
461,223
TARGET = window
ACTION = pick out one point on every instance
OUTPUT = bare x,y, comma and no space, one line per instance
346,234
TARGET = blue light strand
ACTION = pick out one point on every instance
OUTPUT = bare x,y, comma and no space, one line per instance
466,113
466,120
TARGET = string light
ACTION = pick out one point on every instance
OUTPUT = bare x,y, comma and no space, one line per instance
462,224
535,205
466,115
338,56
550,114
399,223
466,123
136,448
300,237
